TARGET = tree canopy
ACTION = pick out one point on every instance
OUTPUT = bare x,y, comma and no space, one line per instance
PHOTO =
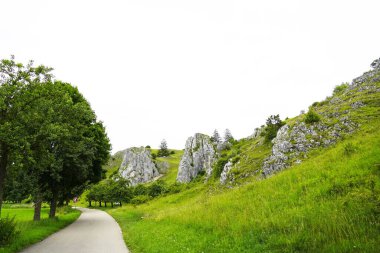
49,132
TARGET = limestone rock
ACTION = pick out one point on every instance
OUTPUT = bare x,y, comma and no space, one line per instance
292,143
138,166
199,155
226,169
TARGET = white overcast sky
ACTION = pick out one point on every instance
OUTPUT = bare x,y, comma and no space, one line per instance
156,69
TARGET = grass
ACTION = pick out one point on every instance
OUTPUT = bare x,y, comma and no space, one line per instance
173,160
329,203
32,232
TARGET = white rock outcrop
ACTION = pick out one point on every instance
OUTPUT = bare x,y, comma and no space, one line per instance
225,173
199,155
138,166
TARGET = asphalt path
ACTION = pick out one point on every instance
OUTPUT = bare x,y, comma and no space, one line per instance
94,231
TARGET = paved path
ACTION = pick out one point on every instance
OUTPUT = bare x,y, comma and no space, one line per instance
95,231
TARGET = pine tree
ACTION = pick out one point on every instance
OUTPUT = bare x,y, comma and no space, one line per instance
228,136
164,151
215,137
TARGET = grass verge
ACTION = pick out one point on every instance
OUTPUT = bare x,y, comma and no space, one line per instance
32,232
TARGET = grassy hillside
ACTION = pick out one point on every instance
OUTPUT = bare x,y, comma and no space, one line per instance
173,160
328,203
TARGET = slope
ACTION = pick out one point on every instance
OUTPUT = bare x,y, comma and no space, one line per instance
328,203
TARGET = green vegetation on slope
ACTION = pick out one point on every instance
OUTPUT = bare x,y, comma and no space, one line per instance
173,161
328,203
31,231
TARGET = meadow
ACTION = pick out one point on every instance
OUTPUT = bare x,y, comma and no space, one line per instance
31,231
329,203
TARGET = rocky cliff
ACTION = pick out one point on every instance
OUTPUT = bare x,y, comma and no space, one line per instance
199,156
138,166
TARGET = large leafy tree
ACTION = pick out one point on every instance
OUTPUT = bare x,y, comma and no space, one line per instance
16,80
56,138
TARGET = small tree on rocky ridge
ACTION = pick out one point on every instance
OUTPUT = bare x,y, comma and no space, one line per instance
164,151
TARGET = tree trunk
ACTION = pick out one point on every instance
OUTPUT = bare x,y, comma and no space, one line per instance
53,205
111,204
37,207
105,203
89,203
3,170
67,202
100,203
121,204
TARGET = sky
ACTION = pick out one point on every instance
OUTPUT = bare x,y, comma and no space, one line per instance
168,69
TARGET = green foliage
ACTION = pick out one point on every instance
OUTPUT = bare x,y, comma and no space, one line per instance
7,230
140,199
218,166
273,124
340,88
216,137
312,117
350,149
156,189
163,151
328,203
28,200
30,232
140,189
115,190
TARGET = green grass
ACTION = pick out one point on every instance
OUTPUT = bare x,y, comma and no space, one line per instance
32,232
173,160
329,203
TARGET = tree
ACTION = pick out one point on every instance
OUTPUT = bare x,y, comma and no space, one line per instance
74,144
163,151
228,136
16,81
49,132
273,124
215,137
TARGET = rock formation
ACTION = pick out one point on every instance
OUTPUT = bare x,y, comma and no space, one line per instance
138,166
225,172
199,156
293,142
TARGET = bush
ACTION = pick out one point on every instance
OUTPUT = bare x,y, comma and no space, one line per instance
349,149
172,152
141,199
148,147
28,200
219,166
273,124
312,117
140,189
7,230
156,189
340,88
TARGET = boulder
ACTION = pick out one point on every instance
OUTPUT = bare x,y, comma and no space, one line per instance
199,156
138,166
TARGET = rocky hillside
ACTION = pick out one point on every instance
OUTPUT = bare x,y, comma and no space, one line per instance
325,123
312,187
